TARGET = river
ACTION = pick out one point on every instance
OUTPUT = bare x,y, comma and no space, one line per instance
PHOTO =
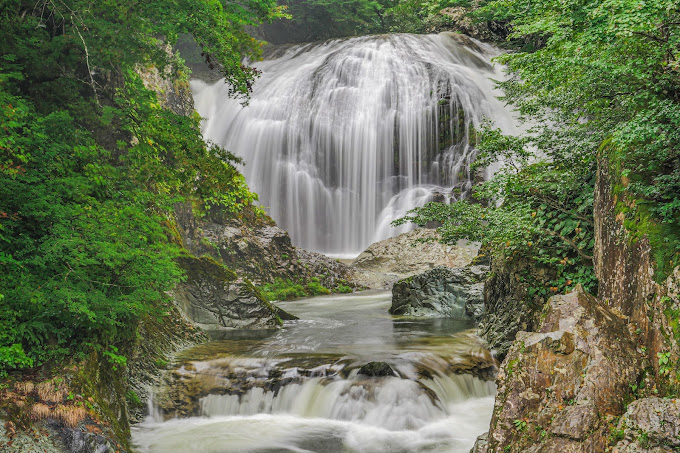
298,389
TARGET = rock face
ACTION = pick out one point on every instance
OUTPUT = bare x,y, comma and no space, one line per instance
558,386
650,425
441,292
624,268
171,89
214,298
508,308
256,248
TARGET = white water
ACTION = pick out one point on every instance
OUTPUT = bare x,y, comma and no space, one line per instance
343,137
321,404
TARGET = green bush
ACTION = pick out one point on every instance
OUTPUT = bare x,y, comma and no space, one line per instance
91,166
317,289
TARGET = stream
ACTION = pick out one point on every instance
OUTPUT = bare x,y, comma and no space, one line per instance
298,389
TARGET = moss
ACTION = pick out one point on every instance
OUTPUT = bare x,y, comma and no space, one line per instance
97,380
664,238
198,268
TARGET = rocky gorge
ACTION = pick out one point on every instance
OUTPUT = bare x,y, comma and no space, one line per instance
419,343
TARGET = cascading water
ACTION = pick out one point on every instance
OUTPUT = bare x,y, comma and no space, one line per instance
342,137
300,389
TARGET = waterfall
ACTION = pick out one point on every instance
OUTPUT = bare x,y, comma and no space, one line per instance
342,137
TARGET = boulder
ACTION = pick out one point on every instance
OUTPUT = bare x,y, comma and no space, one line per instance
214,298
650,425
508,308
377,369
557,387
441,292
404,255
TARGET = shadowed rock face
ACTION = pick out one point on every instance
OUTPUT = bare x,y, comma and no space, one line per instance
256,248
214,298
441,292
558,386
650,425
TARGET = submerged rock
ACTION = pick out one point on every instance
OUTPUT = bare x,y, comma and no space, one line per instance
441,292
558,386
650,425
377,369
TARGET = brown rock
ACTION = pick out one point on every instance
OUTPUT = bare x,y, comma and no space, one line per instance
650,425
556,385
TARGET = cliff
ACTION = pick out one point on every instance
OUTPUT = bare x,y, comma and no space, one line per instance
590,375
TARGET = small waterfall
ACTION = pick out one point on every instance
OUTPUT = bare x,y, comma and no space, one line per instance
300,388
342,137
390,403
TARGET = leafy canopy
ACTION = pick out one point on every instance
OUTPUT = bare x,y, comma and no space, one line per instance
589,77
91,164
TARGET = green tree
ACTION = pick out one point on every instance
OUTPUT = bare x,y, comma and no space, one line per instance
91,164
590,77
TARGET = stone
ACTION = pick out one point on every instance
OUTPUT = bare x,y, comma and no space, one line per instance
377,369
214,298
508,309
624,265
441,292
255,248
402,254
481,444
576,422
650,425
564,380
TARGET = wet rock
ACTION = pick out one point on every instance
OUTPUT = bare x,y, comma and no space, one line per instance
377,369
650,425
215,298
441,292
557,385
481,444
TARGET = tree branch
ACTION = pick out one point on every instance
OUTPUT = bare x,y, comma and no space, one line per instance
571,243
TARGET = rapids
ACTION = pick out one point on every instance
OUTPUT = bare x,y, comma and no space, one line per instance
299,389
342,137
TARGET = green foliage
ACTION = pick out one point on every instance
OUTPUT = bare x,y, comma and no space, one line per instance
282,289
545,216
342,289
587,76
133,399
665,365
317,289
91,165
520,425
605,73
323,19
